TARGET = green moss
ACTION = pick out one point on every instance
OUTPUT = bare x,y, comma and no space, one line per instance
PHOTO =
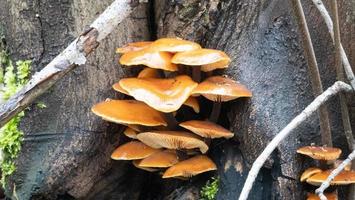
209,191
10,135
41,105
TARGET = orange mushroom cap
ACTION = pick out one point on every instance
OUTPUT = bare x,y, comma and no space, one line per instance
330,196
150,58
210,59
320,153
191,167
134,46
343,178
165,158
172,140
206,129
174,45
149,169
166,95
148,73
221,88
118,88
193,103
132,151
131,133
129,112
309,172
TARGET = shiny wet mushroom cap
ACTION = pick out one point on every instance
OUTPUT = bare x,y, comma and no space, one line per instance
208,59
128,112
174,45
134,46
148,73
173,140
206,129
118,88
343,178
193,103
191,167
132,151
320,153
149,169
150,58
219,88
309,172
131,133
165,95
164,158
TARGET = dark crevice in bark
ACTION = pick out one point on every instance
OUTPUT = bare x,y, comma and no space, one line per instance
41,27
152,26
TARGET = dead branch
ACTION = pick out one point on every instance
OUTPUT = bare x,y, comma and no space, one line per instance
75,54
328,21
337,87
332,175
313,70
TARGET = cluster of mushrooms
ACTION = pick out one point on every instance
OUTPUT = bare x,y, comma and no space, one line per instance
328,157
157,93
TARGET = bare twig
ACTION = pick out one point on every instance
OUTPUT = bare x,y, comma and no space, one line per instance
328,21
340,76
75,54
332,175
313,70
305,114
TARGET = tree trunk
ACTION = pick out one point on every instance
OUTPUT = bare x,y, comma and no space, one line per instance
66,151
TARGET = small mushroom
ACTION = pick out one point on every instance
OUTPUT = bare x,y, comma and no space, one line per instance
149,169
209,59
174,45
161,159
150,58
131,133
190,167
193,103
148,73
330,196
134,46
166,95
172,140
206,129
320,153
343,178
118,88
220,89
132,151
128,112
309,172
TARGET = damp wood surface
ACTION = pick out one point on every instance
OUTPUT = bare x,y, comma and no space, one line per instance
66,151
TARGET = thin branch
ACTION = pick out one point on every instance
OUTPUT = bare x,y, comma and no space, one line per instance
300,118
75,54
340,76
313,70
328,21
332,175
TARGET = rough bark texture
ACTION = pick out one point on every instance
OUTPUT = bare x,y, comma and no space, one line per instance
66,150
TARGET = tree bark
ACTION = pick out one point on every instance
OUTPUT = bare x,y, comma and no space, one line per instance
66,152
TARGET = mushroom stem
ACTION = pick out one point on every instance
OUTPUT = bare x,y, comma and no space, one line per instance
196,73
170,119
216,110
